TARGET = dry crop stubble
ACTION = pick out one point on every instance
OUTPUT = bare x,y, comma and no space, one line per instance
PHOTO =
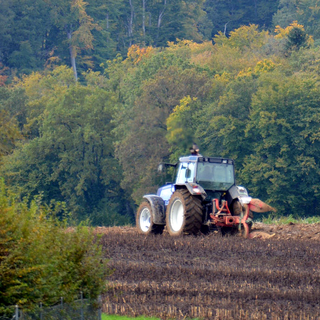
211,277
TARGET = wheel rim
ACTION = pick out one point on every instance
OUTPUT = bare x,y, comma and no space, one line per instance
176,215
145,220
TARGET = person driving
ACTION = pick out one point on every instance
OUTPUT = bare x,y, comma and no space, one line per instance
194,150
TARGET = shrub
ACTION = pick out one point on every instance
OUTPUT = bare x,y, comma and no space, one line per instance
41,259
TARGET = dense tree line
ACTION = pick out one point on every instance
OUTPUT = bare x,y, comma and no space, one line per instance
251,96
249,93
40,34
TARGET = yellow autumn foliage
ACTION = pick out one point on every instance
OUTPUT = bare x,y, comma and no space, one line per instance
283,32
136,53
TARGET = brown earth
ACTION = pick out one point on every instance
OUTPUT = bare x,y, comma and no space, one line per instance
275,275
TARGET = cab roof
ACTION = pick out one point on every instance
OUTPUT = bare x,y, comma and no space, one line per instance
193,158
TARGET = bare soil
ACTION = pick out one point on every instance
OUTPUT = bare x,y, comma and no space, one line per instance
274,275
290,231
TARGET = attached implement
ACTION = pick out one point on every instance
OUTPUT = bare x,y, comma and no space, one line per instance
203,197
224,219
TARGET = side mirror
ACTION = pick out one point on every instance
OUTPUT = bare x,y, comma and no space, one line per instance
160,167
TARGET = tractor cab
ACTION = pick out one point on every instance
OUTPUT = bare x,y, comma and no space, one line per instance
201,175
210,173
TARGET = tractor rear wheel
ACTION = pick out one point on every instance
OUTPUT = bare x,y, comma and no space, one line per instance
184,213
144,220
236,209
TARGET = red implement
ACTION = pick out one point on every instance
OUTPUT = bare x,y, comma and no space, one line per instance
223,218
257,205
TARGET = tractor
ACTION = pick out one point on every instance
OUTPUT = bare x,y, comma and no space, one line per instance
203,197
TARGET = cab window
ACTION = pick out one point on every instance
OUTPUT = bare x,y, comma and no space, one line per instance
185,172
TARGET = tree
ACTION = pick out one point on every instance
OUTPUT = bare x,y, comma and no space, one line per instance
308,13
297,38
284,131
286,13
293,37
71,18
108,36
229,15
181,127
12,118
9,133
71,159
244,38
226,113
23,34
149,92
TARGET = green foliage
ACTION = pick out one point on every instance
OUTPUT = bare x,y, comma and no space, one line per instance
9,133
284,132
13,101
224,119
71,158
148,93
180,127
286,13
12,118
41,260
35,35
246,37
297,38
278,220
308,14
96,145
231,14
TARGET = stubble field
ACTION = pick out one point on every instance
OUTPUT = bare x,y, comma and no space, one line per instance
275,275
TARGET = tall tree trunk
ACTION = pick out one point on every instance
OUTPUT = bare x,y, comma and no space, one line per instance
130,23
161,14
72,54
144,19
225,28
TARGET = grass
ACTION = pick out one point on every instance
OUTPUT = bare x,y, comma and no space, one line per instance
116,317
290,219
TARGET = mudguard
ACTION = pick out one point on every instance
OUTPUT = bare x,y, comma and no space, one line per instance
158,208
237,192
193,188
232,194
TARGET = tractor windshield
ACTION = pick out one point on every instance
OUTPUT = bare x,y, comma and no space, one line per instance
215,176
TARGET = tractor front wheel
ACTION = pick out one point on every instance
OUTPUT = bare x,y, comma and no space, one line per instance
144,220
184,213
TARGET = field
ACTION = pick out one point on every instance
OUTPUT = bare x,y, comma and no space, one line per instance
275,275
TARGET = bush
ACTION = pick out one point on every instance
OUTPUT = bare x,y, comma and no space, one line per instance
41,259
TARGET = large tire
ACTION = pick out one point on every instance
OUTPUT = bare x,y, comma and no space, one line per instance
236,209
184,213
144,220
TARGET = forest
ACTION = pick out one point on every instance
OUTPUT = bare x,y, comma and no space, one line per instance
94,95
